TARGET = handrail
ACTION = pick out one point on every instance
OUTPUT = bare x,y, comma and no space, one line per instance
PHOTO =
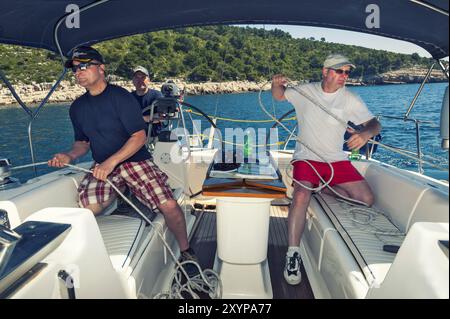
36,113
15,95
413,102
430,6
418,156
242,121
63,18
443,68
408,119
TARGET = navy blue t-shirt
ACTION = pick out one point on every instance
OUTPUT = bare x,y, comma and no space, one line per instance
107,121
147,99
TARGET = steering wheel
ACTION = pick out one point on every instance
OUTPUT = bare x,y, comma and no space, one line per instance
277,123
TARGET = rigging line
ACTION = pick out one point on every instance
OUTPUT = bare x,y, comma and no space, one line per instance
270,70
28,165
63,18
325,183
191,282
429,6
205,137
269,45
346,125
243,121
222,69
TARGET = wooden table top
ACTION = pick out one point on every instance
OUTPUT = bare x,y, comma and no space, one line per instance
243,187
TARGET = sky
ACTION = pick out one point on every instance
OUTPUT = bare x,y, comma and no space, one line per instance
349,37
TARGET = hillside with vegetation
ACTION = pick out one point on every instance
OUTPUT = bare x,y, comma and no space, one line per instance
216,53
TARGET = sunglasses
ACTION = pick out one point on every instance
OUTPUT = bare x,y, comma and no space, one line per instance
340,71
82,66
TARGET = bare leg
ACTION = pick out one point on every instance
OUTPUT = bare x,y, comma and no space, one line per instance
337,189
176,223
297,213
359,190
99,207
96,208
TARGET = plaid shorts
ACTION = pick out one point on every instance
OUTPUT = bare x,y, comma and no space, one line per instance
145,180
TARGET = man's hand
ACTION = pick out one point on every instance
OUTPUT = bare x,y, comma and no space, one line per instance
357,140
101,171
279,82
59,160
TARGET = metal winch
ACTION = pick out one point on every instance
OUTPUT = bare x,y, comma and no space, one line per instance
6,181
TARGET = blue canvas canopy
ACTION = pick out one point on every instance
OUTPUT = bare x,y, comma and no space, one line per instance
34,22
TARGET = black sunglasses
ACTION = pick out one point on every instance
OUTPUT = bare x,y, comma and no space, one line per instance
82,66
340,71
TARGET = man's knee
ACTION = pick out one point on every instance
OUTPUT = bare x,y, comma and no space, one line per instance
95,208
365,196
368,198
302,195
169,207
98,208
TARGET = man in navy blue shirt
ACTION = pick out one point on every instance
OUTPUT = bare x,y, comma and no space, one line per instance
107,120
144,95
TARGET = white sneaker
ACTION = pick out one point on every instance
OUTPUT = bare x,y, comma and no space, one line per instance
292,273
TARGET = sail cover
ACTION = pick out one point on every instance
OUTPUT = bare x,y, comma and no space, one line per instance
34,23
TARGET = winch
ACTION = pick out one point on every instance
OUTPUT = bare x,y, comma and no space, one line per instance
6,181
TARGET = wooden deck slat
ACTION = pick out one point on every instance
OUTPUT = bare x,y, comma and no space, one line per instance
205,245
278,261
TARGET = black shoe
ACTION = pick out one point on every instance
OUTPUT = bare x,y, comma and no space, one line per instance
122,205
191,269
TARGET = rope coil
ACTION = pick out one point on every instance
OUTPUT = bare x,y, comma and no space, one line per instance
206,278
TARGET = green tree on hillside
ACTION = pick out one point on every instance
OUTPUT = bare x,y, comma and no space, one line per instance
219,53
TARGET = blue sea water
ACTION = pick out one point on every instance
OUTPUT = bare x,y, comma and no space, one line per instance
52,130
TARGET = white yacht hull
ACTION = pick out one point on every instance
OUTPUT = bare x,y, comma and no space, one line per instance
102,268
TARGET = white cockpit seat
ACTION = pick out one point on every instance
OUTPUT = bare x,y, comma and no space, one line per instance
334,259
352,258
368,239
121,235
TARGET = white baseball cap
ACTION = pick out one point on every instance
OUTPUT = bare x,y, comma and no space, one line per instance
335,61
140,68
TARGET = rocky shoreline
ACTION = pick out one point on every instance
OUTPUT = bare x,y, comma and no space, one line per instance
67,91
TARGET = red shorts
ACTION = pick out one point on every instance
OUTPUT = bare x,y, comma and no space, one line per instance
145,180
344,172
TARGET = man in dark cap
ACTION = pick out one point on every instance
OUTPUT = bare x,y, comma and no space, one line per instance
107,120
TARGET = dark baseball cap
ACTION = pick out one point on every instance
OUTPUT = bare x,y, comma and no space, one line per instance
84,54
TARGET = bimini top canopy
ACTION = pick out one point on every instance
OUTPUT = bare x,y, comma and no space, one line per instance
34,23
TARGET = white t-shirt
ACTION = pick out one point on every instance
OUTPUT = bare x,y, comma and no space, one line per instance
319,130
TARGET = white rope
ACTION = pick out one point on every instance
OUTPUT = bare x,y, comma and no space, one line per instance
371,215
206,278
29,165
325,183
190,284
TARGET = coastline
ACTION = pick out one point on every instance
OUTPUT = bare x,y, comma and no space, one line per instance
67,92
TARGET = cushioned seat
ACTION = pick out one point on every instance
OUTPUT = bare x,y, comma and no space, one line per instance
121,235
348,255
369,244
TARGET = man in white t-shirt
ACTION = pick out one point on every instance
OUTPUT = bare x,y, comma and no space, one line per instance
324,136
